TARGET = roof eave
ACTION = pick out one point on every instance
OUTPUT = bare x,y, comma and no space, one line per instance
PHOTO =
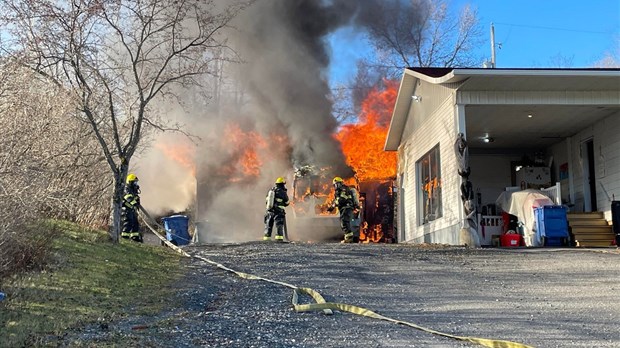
457,75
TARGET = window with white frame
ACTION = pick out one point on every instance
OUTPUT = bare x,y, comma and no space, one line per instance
429,186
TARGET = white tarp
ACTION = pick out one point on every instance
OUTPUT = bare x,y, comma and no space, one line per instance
522,204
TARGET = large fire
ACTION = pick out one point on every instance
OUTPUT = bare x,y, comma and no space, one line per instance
362,143
247,151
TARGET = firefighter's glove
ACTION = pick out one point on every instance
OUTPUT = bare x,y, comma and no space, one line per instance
331,208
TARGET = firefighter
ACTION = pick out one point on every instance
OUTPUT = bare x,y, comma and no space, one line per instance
345,200
277,200
131,203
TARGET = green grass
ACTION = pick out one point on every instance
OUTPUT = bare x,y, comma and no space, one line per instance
87,279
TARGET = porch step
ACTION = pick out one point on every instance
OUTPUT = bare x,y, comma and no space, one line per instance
590,215
589,222
592,243
590,229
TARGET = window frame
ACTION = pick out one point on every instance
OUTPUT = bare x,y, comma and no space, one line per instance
428,183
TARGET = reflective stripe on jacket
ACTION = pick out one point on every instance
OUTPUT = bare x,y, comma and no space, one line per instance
343,198
131,201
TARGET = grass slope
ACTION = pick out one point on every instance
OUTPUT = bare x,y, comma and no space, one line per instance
87,279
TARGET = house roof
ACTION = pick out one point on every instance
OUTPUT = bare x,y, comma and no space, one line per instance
483,79
450,75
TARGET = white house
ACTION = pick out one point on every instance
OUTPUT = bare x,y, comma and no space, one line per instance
567,120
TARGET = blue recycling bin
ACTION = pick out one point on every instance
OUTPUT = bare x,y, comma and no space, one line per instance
177,229
552,225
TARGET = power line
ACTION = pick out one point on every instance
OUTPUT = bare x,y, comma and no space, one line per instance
552,28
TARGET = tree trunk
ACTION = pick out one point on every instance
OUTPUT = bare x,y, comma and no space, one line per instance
117,201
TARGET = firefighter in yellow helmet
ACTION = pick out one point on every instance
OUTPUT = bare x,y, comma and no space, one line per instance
131,203
345,199
277,200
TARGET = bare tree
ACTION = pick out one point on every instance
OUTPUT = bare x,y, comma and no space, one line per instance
411,33
114,57
422,33
48,163
49,166
561,61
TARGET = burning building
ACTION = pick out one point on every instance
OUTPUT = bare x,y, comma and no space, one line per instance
271,114
362,144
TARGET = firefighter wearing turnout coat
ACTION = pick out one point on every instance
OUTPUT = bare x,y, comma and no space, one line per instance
131,203
345,199
277,200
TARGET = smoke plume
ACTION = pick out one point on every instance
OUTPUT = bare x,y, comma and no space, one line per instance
274,102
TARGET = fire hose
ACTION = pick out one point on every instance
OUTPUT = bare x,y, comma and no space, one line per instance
328,307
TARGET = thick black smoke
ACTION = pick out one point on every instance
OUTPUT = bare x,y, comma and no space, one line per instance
280,87
283,44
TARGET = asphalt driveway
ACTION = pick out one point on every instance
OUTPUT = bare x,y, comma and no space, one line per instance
539,297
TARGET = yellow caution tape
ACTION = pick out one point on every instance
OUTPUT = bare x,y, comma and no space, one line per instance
327,307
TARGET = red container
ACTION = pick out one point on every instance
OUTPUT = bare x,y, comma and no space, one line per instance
510,240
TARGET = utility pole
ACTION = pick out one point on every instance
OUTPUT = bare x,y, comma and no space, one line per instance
492,46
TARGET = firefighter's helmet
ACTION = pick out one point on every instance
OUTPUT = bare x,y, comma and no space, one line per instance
338,180
280,180
131,178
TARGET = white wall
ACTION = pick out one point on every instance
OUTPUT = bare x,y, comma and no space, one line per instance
560,155
490,174
436,127
606,138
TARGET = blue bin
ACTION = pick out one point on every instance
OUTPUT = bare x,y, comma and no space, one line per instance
552,225
177,229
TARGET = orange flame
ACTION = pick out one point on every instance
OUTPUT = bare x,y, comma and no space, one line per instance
243,147
182,152
363,143
373,234
248,151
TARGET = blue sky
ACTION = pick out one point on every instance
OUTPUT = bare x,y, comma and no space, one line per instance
532,33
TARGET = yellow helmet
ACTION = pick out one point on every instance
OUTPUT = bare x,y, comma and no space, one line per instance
280,180
131,178
337,179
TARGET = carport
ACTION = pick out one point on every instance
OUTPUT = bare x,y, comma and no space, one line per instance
565,121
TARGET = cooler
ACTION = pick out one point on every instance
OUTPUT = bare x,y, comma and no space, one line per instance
551,225
177,229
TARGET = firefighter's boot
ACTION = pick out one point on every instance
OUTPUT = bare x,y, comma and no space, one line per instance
348,237
267,234
280,234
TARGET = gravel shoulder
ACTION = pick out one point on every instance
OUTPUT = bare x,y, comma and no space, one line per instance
540,297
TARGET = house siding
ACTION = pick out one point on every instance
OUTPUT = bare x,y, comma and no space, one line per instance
430,126
606,139
432,98
438,114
